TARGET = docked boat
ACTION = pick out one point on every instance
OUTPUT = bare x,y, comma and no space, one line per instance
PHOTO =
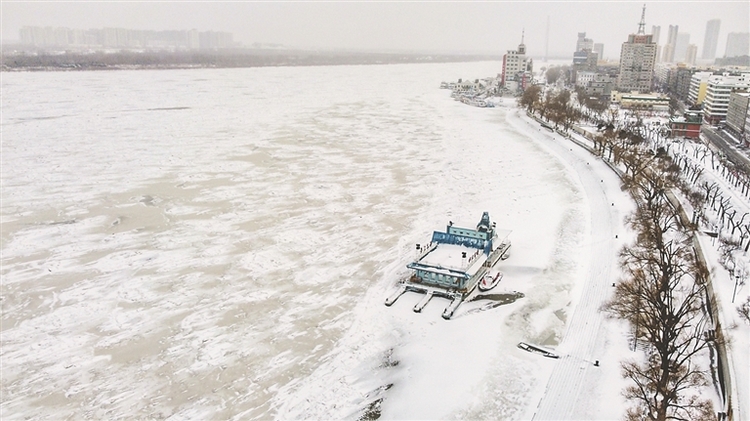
454,262
490,280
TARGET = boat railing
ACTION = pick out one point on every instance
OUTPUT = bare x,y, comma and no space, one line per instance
473,257
423,250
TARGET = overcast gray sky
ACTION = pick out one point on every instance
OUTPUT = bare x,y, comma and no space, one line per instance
459,26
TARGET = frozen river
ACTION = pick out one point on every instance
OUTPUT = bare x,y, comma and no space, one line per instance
217,244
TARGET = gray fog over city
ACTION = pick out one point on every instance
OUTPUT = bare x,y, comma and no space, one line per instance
449,27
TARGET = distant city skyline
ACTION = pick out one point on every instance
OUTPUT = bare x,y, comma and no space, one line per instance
409,26
68,38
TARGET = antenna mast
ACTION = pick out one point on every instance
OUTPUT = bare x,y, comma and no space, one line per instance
546,42
642,24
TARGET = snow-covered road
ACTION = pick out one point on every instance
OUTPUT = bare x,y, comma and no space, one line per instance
578,388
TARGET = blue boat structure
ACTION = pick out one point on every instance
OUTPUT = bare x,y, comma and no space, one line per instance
454,263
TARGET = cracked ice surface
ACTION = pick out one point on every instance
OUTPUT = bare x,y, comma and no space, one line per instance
218,244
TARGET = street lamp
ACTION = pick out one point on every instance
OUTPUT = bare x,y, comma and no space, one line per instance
736,281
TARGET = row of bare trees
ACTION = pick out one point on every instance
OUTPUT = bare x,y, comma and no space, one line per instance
555,107
663,292
731,226
662,295
559,108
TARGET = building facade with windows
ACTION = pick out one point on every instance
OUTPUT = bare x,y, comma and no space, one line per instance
678,81
584,43
516,67
688,125
692,54
718,90
637,60
640,101
738,113
697,88
599,50
669,47
597,84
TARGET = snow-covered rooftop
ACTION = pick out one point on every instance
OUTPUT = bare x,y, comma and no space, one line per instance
450,256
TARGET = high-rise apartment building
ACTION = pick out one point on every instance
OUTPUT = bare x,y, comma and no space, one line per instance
697,89
738,112
584,43
515,67
718,91
711,39
691,54
655,32
669,47
637,60
678,81
599,50
680,48
738,44
584,58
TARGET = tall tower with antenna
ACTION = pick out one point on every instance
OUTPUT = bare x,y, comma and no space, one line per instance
516,72
637,60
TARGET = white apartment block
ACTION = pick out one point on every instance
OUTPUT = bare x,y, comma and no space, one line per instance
584,78
697,90
718,90
514,62
661,72
691,54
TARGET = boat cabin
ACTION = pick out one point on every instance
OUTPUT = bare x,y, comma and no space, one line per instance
457,258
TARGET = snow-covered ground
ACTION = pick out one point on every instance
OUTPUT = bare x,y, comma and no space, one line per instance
471,367
730,293
219,243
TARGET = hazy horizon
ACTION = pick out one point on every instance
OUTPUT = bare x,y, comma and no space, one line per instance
455,27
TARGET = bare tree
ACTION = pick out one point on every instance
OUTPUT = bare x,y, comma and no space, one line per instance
644,391
661,295
596,106
552,74
712,190
744,310
562,112
545,104
531,98
649,176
